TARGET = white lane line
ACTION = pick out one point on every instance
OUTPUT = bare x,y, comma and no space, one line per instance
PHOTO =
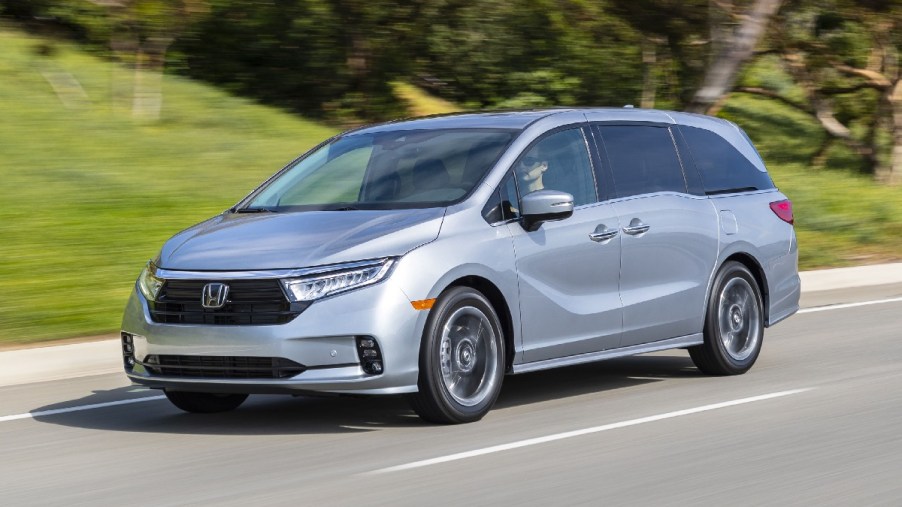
586,431
32,415
849,305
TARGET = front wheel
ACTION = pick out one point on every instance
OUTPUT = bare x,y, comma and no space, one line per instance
205,403
734,324
461,359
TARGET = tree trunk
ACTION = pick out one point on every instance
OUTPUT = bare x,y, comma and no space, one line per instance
649,80
723,70
150,61
895,167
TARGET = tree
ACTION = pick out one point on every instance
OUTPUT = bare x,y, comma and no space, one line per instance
844,55
675,45
735,48
146,29
321,57
531,53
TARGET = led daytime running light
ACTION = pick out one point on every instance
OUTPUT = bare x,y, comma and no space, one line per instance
315,287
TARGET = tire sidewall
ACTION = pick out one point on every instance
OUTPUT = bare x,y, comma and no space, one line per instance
431,381
730,271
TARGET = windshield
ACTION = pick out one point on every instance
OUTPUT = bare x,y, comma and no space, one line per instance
387,170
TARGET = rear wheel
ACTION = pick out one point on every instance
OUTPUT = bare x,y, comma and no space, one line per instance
461,359
734,324
205,403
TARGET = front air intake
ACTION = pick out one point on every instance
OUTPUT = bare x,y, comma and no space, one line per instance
222,367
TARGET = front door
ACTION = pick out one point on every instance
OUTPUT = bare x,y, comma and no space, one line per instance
568,270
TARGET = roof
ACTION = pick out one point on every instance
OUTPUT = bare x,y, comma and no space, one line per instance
519,120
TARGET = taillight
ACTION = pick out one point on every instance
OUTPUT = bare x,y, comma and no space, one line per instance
783,209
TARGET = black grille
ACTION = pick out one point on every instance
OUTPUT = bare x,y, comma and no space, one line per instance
222,367
250,302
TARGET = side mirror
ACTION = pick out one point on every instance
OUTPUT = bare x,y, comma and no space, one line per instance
544,206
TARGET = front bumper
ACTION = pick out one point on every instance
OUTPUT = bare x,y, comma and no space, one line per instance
323,338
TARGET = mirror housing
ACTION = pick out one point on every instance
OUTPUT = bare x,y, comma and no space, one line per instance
544,206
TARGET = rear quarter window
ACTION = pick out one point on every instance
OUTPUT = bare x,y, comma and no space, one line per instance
722,167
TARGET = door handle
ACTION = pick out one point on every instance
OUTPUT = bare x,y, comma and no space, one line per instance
636,227
602,233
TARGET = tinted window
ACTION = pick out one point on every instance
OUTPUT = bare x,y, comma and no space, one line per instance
723,168
643,159
558,162
502,204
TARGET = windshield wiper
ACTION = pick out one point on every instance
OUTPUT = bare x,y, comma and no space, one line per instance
253,210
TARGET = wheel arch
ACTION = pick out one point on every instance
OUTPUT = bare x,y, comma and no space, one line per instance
757,271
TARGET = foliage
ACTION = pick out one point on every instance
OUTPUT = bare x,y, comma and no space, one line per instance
844,55
679,28
324,58
530,53
842,217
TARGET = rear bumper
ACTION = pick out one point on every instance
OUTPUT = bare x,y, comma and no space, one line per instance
786,292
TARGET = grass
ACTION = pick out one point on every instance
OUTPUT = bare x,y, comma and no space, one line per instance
90,194
420,103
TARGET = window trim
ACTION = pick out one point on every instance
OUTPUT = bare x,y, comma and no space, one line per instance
693,176
497,193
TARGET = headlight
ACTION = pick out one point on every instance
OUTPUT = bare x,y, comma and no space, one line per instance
339,278
149,284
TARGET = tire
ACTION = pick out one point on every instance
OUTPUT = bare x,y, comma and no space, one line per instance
734,323
461,359
205,403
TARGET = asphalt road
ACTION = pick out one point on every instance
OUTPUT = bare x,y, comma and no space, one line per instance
817,421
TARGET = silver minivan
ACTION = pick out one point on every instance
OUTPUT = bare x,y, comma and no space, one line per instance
431,257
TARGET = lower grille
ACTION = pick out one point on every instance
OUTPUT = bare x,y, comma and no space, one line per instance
228,367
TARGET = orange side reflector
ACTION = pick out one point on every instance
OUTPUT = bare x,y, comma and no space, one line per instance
423,304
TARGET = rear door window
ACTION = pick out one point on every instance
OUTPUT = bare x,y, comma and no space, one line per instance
643,159
723,168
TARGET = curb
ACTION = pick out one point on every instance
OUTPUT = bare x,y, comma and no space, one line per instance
44,363
846,278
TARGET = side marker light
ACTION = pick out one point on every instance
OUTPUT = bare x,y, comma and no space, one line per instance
423,304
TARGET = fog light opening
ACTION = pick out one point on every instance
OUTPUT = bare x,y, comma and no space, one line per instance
369,354
128,351
374,367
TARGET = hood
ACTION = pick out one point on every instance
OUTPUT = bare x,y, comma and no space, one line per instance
238,242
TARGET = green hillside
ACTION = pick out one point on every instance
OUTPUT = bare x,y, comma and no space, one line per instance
89,193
